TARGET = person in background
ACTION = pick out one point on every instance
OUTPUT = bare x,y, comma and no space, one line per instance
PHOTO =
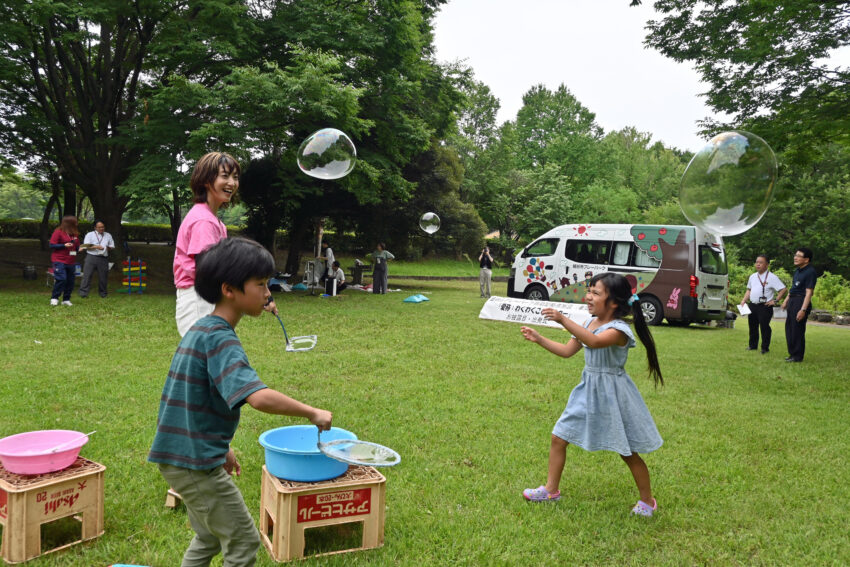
64,244
379,272
97,259
338,276
485,261
328,259
764,291
798,304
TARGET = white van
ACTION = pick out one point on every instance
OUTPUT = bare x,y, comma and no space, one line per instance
679,272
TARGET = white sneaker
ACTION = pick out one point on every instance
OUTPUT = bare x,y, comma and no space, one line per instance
54,302
68,303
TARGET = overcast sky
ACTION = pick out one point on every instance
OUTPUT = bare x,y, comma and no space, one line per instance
594,47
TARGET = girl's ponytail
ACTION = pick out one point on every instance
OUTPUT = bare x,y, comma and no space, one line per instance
620,292
648,342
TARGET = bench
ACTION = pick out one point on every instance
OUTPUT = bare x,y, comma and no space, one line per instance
357,272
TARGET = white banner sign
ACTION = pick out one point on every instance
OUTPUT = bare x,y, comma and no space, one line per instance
527,312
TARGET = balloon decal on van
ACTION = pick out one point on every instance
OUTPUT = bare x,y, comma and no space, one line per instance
535,270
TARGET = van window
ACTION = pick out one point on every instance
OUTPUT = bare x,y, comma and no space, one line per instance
543,247
644,260
588,251
621,253
712,260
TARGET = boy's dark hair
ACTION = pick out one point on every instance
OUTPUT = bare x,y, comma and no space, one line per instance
807,253
335,264
620,291
230,261
206,170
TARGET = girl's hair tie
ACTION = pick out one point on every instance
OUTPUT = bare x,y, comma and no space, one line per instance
633,298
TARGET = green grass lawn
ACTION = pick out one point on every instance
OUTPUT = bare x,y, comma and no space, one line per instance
753,470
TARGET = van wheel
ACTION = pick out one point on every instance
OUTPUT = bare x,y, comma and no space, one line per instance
536,293
652,310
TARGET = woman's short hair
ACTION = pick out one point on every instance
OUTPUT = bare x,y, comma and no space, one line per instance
206,170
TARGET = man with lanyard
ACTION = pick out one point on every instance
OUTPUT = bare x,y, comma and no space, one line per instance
798,304
761,289
98,243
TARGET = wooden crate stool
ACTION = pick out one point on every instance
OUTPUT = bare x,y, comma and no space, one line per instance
288,509
27,502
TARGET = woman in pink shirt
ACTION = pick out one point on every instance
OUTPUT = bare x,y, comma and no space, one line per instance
214,181
63,255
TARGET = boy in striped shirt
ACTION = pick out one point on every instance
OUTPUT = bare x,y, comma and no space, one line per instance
208,382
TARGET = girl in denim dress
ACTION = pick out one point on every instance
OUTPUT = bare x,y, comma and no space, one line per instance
605,411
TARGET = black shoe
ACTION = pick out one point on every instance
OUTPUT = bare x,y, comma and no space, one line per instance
751,348
765,351
792,359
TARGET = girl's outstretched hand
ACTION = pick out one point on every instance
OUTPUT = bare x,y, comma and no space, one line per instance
530,334
553,314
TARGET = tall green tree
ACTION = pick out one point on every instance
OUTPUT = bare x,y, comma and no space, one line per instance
475,133
363,67
554,127
765,64
809,209
72,73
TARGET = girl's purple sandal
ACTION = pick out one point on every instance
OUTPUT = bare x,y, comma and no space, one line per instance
540,494
644,509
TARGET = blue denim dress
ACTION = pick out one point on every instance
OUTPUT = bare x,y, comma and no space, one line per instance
605,411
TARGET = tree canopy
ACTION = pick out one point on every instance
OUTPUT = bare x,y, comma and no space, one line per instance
766,64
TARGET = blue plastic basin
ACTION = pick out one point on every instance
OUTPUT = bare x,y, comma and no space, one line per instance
292,453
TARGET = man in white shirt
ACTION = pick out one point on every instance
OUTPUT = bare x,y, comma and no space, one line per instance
97,243
328,258
764,291
338,276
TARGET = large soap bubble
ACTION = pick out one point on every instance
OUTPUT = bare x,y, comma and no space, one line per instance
327,154
728,185
429,222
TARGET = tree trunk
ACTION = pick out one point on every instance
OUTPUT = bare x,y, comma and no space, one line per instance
56,188
299,232
175,215
44,229
70,197
109,207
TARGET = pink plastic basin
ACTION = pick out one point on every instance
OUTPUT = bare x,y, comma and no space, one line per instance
32,452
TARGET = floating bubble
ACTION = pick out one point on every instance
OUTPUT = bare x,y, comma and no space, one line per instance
728,185
327,154
430,223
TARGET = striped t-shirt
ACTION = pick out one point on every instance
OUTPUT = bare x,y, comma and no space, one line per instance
207,383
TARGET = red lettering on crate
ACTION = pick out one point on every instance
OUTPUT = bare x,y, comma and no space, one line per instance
3,500
56,503
315,507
